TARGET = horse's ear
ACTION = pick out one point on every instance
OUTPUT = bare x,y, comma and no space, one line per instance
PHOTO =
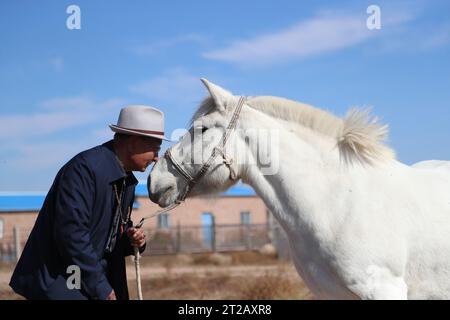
221,96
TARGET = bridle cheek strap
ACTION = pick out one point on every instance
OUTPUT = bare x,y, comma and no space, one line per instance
219,149
228,162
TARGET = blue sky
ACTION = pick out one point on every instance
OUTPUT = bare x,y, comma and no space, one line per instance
61,88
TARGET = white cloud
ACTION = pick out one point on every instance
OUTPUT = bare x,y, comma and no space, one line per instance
47,155
150,49
38,124
39,144
436,38
174,86
81,102
102,134
76,102
58,114
419,38
33,165
324,33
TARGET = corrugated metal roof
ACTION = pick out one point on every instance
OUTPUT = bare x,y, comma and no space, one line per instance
239,190
16,201
21,202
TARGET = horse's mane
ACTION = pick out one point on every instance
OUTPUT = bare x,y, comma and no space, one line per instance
359,136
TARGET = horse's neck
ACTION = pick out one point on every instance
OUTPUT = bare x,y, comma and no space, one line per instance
307,170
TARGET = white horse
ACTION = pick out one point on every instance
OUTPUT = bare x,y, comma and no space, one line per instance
360,224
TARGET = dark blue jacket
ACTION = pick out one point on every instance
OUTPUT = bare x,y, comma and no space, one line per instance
79,225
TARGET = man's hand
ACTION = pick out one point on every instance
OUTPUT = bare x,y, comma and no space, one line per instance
137,237
112,296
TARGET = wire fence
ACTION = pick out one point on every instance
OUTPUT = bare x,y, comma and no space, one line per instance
214,238
11,244
182,239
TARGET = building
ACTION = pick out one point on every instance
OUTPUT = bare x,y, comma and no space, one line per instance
235,219
239,205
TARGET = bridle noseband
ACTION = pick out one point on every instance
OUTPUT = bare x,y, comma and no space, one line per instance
218,150
192,181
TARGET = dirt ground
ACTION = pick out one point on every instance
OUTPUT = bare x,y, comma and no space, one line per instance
243,275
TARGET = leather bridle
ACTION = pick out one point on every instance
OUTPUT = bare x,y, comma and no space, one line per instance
193,180
218,150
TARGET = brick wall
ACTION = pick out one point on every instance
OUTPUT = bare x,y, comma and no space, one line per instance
23,220
226,210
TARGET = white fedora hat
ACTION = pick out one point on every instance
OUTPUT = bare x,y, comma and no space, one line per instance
142,121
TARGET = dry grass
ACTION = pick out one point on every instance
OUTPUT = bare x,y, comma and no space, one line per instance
249,276
242,280
187,286
237,258
221,286
6,266
252,258
7,294
274,285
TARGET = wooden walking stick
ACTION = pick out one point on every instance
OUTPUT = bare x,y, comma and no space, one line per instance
137,267
137,257
137,254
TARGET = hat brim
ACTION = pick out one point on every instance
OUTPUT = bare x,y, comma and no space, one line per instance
136,133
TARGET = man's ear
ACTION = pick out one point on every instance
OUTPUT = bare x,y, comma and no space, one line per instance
222,98
132,143
129,145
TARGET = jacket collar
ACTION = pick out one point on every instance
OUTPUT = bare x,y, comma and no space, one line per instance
115,168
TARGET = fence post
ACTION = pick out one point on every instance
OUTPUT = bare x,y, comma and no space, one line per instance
213,234
178,239
247,237
270,227
17,248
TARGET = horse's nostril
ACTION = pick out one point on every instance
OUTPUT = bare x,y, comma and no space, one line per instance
156,195
166,189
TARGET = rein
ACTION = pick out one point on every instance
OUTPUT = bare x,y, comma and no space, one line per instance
219,149
192,180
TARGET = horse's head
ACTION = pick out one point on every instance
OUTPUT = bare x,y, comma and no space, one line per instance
198,163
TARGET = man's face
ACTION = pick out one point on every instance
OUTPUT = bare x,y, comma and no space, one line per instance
142,152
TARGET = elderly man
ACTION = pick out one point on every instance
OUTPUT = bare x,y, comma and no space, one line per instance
84,224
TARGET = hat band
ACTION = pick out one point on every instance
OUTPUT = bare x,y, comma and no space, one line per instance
145,131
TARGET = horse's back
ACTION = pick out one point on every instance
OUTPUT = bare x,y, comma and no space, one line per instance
432,164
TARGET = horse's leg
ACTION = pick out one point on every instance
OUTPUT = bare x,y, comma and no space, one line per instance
381,284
